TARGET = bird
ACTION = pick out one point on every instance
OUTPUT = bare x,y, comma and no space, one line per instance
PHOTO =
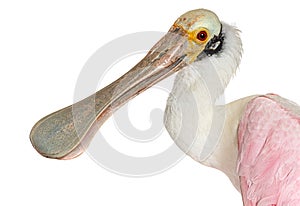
254,140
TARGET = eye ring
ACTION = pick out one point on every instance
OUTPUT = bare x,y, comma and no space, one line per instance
202,35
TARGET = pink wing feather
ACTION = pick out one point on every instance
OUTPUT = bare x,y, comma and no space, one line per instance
269,152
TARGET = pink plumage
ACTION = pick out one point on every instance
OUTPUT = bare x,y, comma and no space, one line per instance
269,152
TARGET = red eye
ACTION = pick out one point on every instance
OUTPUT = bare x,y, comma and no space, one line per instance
202,35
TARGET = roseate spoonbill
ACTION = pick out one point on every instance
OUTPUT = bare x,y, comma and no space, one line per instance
255,141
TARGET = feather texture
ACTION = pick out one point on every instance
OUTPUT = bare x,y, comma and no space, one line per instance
269,155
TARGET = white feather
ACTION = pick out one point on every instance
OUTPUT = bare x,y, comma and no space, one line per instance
192,119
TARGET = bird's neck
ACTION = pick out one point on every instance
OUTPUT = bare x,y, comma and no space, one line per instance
192,118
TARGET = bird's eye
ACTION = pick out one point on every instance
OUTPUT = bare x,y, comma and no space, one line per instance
202,35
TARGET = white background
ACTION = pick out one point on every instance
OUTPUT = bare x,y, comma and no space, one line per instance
43,47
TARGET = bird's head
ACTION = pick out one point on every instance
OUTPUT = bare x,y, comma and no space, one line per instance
202,30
